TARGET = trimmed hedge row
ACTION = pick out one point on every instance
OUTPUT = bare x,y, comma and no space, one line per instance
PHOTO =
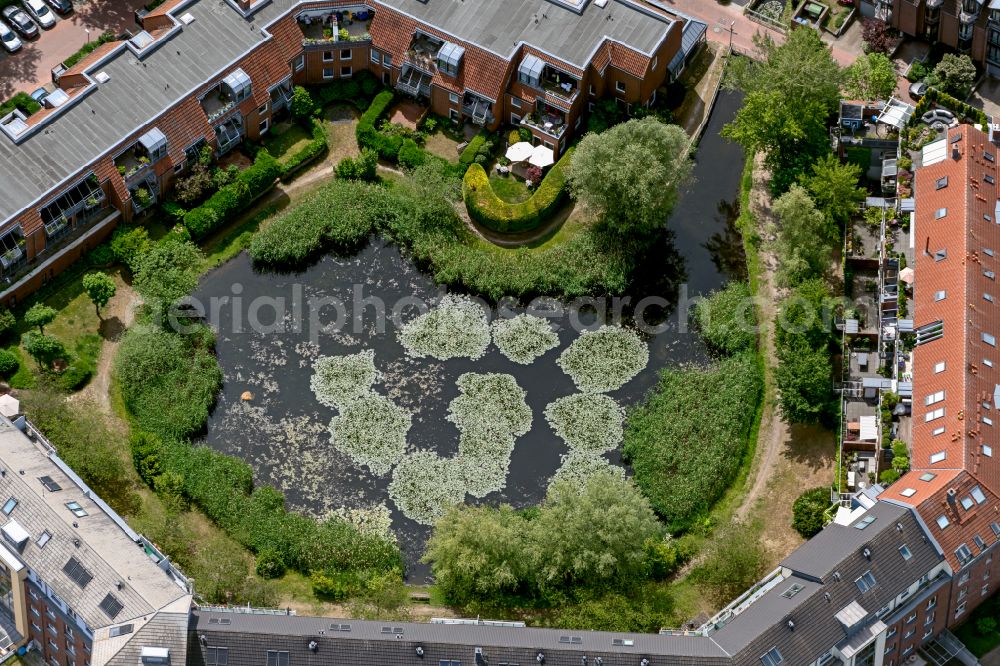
468,155
356,90
387,146
88,48
234,198
316,147
489,210
956,106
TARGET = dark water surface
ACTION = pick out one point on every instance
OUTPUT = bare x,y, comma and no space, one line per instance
283,432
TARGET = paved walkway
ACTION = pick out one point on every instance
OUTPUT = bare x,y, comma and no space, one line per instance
31,67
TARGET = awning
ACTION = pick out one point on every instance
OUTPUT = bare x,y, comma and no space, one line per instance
9,405
519,152
869,428
694,33
153,140
896,113
542,156
906,275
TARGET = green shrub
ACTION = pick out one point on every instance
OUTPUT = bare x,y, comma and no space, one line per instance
330,587
7,320
363,167
88,48
468,154
726,319
683,481
302,105
489,210
270,564
9,362
809,511
410,154
145,449
368,135
22,101
130,244
101,256
234,198
986,625
317,146
887,477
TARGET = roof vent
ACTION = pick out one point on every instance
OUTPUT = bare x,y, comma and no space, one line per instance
867,553
102,77
313,646
187,18
791,625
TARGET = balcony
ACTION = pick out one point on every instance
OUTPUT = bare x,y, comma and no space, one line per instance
144,194
230,134
423,53
548,120
217,104
477,108
79,199
413,81
324,27
536,73
281,96
222,99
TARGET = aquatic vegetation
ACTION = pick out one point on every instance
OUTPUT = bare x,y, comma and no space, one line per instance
524,338
483,461
374,520
456,327
372,431
578,466
605,359
425,485
587,422
339,381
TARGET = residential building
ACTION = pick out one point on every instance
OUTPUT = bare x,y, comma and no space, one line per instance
77,584
968,26
131,117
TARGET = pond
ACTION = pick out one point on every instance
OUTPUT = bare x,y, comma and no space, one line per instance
283,431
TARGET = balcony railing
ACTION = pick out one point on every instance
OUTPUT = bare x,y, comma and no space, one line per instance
553,89
414,82
550,125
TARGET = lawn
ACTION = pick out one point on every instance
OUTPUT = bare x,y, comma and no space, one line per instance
443,146
860,156
286,139
970,634
510,189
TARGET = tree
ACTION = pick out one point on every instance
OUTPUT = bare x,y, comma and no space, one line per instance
131,244
384,597
7,320
807,314
302,105
809,511
790,91
45,349
168,273
630,174
735,560
834,189
40,315
878,36
804,238
594,536
100,288
804,378
871,77
955,75
888,477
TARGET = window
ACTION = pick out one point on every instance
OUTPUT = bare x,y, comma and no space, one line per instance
864,522
939,367
374,56
940,295
262,110
8,506
454,115
987,450
216,656
940,212
927,633
928,476
386,60
988,252
346,71
909,633
988,156
977,494
300,63
934,415
988,178
989,339
941,183
620,86
984,590
960,609
963,593
327,72
990,274
77,510
966,502
932,602
772,657
934,398
942,521
905,552
327,56
345,54
277,658
987,297
890,648
453,98
941,254
908,492
866,581
889,634
263,126
911,619
937,431
656,61
940,455
929,619
978,540
964,554
987,420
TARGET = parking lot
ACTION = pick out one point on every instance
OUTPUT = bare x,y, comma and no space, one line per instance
30,67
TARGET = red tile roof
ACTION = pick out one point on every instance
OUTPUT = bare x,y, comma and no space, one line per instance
629,60
91,58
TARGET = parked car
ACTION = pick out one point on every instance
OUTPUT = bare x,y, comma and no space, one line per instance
40,95
9,40
61,6
20,21
918,89
41,13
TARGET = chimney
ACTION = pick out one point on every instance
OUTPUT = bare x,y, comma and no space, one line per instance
952,502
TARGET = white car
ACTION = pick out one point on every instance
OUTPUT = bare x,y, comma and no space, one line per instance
8,39
40,12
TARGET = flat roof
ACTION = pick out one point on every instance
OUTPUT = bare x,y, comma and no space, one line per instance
566,34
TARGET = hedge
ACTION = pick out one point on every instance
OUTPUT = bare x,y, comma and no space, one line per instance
957,106
357,90
489,210
21,100
234,198
469,153
369,137
316,147
88,48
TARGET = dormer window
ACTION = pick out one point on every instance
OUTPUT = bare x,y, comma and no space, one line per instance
449,58
238,83
941,183
530,71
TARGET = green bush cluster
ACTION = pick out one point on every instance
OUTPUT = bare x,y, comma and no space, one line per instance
234,197
316,147
363,167
956,106
357,90
478,151
9,363
369,136
88,48
809,511
130,244
489,210
726,319
684,461
22,101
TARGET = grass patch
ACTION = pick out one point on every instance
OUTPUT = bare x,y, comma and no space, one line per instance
510,189
443,146
860,156
285,140
980,643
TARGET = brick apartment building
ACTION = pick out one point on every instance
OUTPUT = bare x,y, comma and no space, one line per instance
76,582
135,113
968,26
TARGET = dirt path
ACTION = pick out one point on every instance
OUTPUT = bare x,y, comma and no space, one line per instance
118,315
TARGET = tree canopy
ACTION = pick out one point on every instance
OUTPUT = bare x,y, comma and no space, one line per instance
167,273
955,75
804,378
871,77
631,174
40,315
100,288
834,189
809,511
804,238
790,92
45,349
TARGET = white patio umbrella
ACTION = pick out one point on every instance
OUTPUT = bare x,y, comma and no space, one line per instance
542,156
906,275
519,152
9,405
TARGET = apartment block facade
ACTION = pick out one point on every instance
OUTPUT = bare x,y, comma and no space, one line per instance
968,26
131,117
